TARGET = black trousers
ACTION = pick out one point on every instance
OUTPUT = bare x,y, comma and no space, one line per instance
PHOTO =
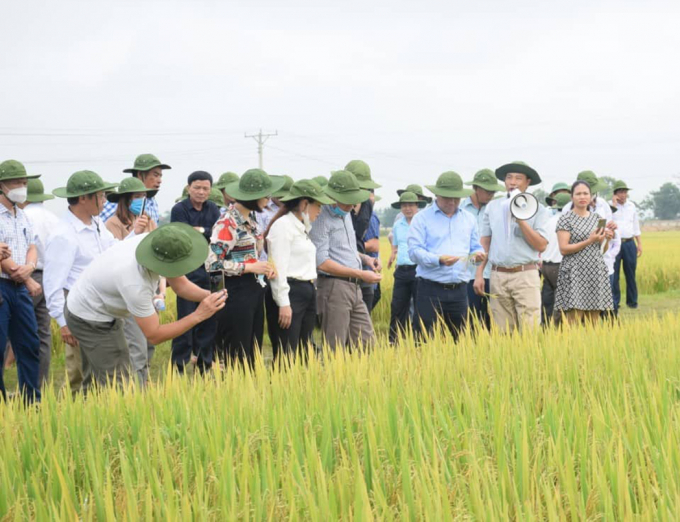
294,340
200,340
434,301
549,271
368,294
240,324
479,305
405,290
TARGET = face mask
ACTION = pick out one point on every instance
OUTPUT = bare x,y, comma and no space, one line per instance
17,195
339,212
136,206
307,222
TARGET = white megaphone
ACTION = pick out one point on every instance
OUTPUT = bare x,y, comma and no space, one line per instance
523,205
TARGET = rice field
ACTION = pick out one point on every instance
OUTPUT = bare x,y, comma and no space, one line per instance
578,423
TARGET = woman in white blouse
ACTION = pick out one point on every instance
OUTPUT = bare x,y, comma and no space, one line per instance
291,308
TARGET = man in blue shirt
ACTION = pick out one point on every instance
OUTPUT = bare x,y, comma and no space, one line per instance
514,246
443,241
405,272
485,185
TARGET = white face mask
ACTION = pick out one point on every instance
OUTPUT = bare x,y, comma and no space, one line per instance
17,195
307,222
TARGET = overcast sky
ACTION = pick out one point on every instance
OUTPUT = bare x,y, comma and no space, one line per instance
412,87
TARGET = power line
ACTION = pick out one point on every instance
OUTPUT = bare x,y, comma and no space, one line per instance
261,138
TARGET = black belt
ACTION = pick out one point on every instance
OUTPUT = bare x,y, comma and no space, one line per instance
625,240
407,267
293,280
11,282
353,280
445,286
550,263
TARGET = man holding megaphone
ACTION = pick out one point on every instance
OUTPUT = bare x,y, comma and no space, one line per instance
514,234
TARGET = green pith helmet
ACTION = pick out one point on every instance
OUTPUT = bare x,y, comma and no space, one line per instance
225,179
363,174
519,167
216,197
172,250
36,192
82,183
288,182
449,185
620,185
417,190
307,188
321,180
146,162
129,186
254,184
550,198
409,197
486,179
560,200
344,188
13,169
593,181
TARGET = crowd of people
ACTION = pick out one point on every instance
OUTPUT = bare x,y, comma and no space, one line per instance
300,253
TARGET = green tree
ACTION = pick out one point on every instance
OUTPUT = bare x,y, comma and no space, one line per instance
665,202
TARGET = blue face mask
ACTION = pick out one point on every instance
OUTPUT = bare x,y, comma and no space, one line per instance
136,206
339,212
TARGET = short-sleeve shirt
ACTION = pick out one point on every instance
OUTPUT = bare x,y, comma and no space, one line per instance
509,248
335,239
400,240
17,232
114,286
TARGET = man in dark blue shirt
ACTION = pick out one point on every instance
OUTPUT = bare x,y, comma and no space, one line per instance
196,345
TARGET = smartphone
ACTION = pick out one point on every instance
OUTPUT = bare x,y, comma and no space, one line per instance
601,223
216,281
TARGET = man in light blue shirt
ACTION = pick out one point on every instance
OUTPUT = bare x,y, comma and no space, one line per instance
514,246
443,241
405,273
485,185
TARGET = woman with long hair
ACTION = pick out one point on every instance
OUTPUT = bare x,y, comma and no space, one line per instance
130,198
291,304
583,289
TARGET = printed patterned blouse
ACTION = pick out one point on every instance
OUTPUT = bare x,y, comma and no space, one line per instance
234,242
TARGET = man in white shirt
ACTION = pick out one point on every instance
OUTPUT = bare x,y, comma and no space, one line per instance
551,258
628,224
121,283
43,222
78,239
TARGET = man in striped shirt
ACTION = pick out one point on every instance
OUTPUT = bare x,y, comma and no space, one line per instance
149,169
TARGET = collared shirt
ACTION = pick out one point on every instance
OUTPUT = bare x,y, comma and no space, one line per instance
433,234
468,206
508,246
400,240
334,239
150,209
373,232
17,232
235,241
70,249
552,252
184,212
43,222
292,253
626,217
263,220
612,251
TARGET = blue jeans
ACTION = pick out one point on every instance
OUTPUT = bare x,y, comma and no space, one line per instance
434,301
627,255
18,324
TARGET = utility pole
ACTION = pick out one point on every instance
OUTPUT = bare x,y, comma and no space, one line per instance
261,139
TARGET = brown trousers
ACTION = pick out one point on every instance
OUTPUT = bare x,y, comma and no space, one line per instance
516,299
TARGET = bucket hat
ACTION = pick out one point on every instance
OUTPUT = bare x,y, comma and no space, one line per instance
344,188
145,162
591,178
82,183
520,167
36,192
254,184
129,186
225,179
363,174
560,200
417,190
288,182
409,197
486,179
449,185
172,250
550,198
13,169
216,197
620,185
307,188
321,180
